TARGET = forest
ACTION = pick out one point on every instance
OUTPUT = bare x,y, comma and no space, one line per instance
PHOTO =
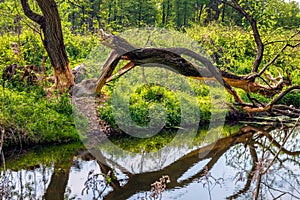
143,72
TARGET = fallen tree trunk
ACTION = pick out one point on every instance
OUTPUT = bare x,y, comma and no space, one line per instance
171,58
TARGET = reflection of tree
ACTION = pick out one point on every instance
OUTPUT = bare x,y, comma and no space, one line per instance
250,136
23,184
265,156
59,181
6,185
97,183
142,182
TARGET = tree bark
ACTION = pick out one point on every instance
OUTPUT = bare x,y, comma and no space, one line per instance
53,41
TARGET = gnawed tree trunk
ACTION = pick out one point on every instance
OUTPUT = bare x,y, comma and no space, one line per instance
53,41
171,59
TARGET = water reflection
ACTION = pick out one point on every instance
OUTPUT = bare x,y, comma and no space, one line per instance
254,162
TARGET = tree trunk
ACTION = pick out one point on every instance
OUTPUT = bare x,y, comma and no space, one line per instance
53,41
163,18
168,12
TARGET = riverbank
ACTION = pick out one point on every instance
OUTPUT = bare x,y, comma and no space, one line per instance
30,118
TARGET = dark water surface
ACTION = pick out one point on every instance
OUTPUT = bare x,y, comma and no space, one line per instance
244,162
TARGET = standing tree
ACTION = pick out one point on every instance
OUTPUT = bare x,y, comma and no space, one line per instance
53,41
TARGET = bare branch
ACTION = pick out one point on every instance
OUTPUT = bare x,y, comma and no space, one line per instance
272,61
75,4
250,174
283,93
107,70
281,191
276,56
280,41
129,66
286,41
269,105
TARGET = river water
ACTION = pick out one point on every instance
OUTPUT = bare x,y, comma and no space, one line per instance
241,162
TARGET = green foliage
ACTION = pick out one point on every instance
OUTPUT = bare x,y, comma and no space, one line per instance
273,13
39,119
141,102
32,48
85,16
234,49
78,47
180,107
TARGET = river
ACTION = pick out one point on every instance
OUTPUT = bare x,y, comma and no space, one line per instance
239,162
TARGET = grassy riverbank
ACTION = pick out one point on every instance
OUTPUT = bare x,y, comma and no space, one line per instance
30,117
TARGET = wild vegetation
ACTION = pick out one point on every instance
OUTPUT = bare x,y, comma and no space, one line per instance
31,111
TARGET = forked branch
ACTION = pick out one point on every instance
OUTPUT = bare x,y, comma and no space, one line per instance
30,14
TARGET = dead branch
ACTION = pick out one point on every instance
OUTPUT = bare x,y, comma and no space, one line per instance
273,102
107,70
272,61
260,45
281,147
121,72
283,93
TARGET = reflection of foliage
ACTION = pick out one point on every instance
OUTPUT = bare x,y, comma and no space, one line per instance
24,184
158,187
134,144
47,156
209,181
6,186
155,143
97,183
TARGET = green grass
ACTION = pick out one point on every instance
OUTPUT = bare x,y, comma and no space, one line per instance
36,118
